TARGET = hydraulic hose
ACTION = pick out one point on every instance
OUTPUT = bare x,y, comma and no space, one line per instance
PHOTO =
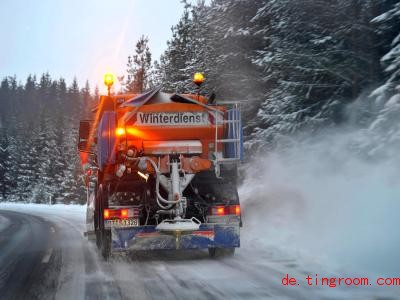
159,197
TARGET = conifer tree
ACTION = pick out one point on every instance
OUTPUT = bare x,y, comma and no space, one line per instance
139,68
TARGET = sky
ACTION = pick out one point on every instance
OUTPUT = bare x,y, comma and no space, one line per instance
82,38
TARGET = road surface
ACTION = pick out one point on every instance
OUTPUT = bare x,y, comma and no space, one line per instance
44,255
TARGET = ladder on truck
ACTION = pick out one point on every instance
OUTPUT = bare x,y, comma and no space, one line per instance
232,142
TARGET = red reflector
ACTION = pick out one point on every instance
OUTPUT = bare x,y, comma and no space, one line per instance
124,213
106,214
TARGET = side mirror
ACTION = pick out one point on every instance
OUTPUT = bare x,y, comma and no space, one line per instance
84,135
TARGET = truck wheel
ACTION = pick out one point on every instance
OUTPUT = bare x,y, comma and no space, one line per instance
97,217
98,239
221,252
96,227
103,236
106,244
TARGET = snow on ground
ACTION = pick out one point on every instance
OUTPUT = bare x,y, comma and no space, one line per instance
74,213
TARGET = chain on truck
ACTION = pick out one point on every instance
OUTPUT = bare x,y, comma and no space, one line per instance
161,172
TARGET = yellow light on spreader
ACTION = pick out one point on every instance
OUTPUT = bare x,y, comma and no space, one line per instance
108,79
198,78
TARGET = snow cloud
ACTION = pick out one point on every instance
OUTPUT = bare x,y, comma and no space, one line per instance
328,198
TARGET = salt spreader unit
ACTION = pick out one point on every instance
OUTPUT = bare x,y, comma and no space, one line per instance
161,172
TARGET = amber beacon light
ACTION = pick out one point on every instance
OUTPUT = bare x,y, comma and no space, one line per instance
198,78
109,81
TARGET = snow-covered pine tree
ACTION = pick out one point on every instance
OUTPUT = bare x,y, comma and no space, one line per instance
139,68
172,65
383,134
197,49
40,123
6,183
233,74
389,30
74,100
214,39
318,57
87,101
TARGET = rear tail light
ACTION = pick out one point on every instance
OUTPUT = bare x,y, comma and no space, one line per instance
225,210
235,210
122,213
218,211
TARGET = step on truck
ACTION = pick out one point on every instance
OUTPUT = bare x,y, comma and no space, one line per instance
161,172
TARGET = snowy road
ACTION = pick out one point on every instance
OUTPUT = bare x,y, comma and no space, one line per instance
44,255
24,244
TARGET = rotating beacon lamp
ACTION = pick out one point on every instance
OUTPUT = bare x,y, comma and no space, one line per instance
198,79
109,81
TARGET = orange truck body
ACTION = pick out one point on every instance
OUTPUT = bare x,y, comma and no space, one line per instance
151,139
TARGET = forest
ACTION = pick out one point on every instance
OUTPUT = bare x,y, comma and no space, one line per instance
297,66
38,131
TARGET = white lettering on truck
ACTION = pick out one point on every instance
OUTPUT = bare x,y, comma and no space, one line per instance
173,118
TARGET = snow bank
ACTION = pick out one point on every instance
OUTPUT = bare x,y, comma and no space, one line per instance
75,213
68,208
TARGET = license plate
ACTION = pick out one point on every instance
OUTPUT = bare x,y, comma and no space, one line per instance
120,223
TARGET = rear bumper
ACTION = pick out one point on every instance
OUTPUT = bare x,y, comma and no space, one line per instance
148,238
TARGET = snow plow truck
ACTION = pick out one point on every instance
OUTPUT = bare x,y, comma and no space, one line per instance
161,172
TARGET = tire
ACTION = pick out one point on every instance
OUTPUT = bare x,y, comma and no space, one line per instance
103,236
97,218
221,252
98,239
106,244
